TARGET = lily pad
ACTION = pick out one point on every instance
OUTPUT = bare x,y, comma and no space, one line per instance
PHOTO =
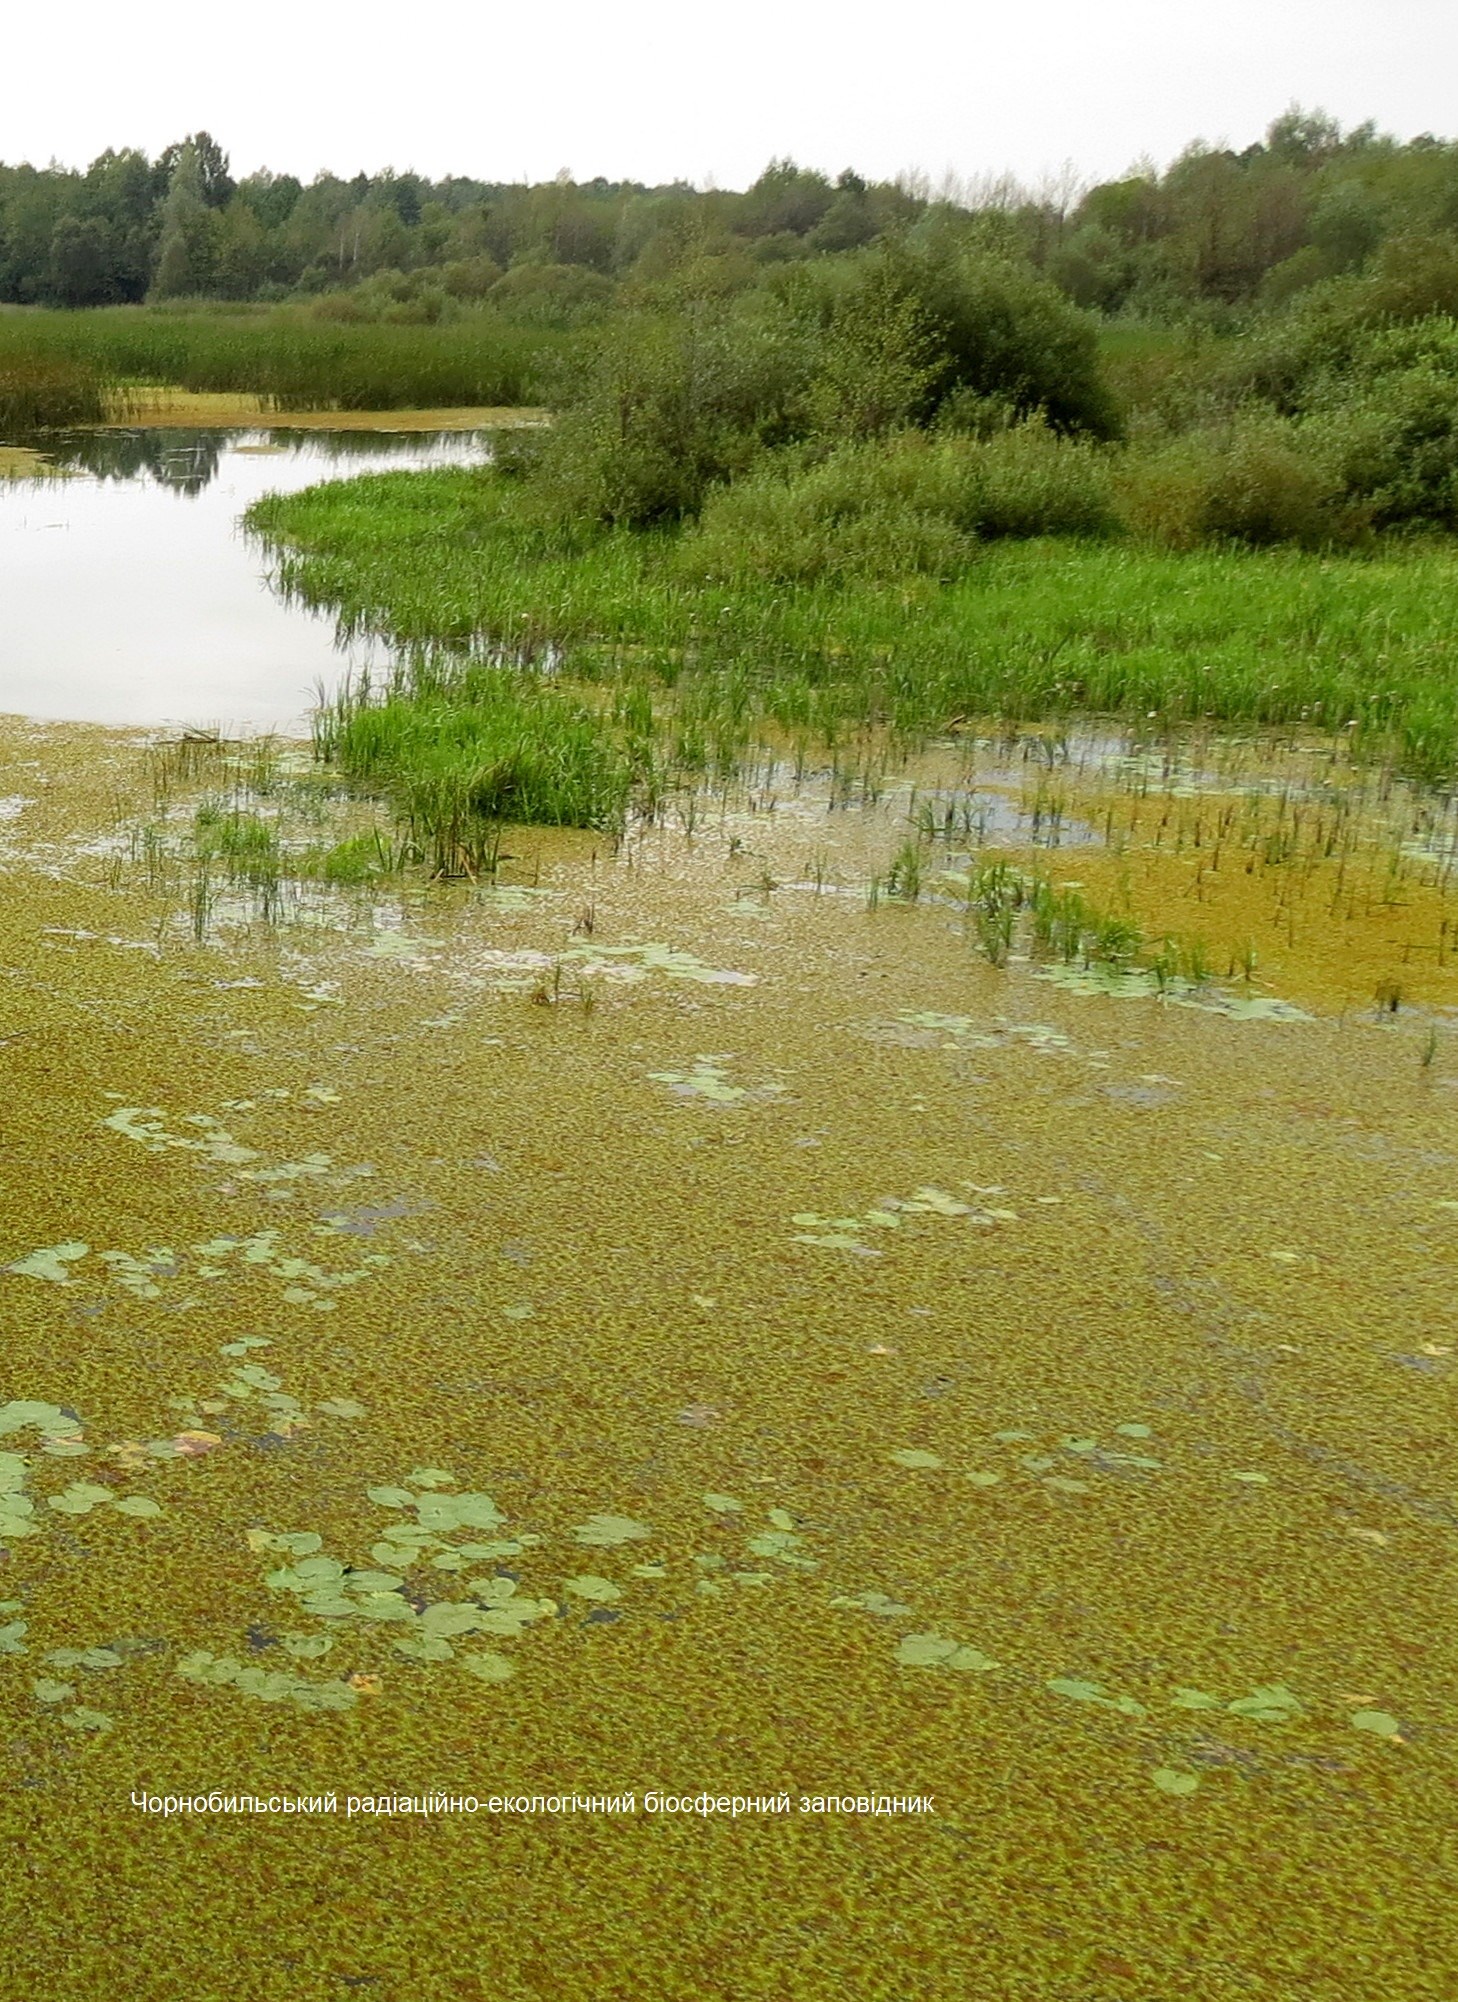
1269,1703
82,1719
589,1586
425,1647
308,1647
137,1505
1170,1780
879,1603
723,1504
1193,1699
924,1650
606,1530
487,1667
1381,1723
449,1617
45,1690
915,1456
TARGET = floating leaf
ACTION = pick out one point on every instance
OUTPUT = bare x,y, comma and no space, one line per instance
463,1511
589,1586
82,1719
781,1518
1193,1699
308,1647
1381,1723
137,1505
342,1407
924,1650
1169,1780
1271,1703
391,1497
723,1504
1252,1479
45,1690
915,1456
430,1477
871,1602
1134,1431
1066,1486
971,1661
449,1617
606,1530
425,1647
1080,1691
488,1667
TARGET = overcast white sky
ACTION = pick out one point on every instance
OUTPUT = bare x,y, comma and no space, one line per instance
661,89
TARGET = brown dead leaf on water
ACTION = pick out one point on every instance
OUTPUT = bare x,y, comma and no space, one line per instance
192,1445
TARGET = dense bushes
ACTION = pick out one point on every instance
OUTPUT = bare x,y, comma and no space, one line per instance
1255,479
910,503
684,393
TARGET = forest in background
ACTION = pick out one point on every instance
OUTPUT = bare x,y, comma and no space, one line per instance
1207,240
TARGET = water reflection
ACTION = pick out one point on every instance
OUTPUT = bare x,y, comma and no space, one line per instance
187,461
131,595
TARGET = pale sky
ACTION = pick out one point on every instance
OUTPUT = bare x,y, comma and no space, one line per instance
656,90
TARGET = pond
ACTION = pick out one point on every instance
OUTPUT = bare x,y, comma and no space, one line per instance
133,597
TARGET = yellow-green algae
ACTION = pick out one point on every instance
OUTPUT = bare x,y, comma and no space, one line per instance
1111,1505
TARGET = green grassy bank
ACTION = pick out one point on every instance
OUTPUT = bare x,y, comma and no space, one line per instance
1041,628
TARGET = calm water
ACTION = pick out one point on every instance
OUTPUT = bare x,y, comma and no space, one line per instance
130,595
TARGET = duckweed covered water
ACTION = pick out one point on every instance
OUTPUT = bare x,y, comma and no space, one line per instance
678,1328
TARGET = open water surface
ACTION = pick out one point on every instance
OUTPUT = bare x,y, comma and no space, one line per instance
132,596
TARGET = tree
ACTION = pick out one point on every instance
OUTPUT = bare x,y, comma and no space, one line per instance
187,246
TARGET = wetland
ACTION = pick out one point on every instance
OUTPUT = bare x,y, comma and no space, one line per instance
731,1045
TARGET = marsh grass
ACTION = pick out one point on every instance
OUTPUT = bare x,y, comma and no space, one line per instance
452,561
460,754
77,365
41,392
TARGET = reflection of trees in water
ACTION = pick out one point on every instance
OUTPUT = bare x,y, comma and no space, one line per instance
377,444
184,460
188,461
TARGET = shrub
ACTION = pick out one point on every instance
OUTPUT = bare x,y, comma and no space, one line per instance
1256,480
911,503
1389,424
666,405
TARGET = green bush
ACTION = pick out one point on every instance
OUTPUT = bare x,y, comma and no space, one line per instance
912,503
666,405
1389,423
1258,480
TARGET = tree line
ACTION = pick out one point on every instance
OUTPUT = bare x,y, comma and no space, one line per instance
1216,236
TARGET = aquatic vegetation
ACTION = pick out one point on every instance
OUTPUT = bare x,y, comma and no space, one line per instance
687,1480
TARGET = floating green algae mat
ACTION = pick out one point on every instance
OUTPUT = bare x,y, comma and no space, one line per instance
412,1388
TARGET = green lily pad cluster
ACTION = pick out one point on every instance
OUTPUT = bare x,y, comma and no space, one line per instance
847,1233
964,1032
306,1283
213,1671
637,961
932,1650
1126,983
709,1080
782,1542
